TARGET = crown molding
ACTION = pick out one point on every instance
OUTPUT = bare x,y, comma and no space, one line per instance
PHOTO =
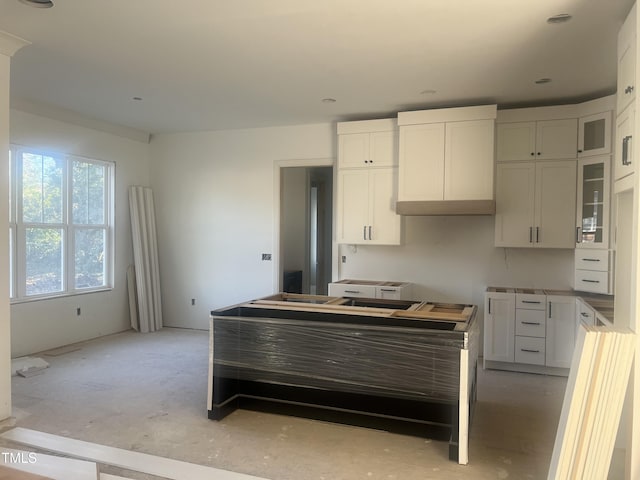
10,44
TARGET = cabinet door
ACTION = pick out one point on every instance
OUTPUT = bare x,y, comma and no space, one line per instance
516,141
624,152
515,195
352,206
557,139
561,331
592,214
468,160
421,162
594,134
499,326
626,62
555,204
384,222
353,150
383,149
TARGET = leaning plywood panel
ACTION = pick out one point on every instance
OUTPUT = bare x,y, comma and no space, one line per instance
581,366
593,404
625,350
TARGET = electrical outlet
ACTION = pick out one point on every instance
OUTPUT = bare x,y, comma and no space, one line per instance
266,256
78,311
193,301
344,259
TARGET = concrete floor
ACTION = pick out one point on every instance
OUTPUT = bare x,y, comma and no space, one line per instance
147,393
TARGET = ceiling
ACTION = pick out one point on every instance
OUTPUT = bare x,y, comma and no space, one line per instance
216,64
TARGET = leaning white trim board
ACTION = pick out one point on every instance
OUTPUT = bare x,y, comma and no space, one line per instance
593,402
117,457
57,468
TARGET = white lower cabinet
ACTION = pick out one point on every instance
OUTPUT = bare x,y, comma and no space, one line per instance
529,330
499,325
371,289
561,330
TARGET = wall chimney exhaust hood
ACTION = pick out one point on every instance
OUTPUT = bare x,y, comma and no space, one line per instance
446,161
446,207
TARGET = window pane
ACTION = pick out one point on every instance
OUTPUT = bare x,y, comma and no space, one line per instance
90,261
42,179
43,260
88,193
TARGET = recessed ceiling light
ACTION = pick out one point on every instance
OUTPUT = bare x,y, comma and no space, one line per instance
328,100
540,81
38,3
560,18
427,92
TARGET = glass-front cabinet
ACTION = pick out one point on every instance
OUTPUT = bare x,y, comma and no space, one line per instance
592,223
594,134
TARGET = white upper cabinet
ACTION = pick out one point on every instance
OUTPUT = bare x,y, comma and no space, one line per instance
367,183
516,141
627,62
422,152
555,206
535,204
592,214
594,134
624,152
366,207
447,154
468,160
369,143
541,140
515,200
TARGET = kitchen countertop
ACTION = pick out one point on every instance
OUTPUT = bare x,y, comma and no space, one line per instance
602,304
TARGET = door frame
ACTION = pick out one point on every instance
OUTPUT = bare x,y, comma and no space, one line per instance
278,165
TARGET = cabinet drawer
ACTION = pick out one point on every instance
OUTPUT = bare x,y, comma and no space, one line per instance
590,281
391,293
531,301
597,260
354,290
530,323
530,350
586,314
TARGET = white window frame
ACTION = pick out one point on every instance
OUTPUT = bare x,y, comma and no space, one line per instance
18,228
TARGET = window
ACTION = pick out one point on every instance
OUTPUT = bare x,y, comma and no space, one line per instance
61,228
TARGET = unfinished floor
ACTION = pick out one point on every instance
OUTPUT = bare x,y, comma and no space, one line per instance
147,393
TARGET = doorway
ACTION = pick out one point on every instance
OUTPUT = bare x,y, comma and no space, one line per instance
306,206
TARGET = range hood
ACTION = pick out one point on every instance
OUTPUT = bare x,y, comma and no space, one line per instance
446,207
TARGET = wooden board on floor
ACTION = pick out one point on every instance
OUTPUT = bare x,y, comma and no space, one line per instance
117,457
52,467
7,473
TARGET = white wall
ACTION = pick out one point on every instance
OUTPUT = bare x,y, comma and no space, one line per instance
215,201
45,324
215,213
452,259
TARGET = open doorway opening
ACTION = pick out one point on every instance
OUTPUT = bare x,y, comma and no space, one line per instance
306,229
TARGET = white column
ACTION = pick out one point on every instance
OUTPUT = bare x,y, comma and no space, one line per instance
9,44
